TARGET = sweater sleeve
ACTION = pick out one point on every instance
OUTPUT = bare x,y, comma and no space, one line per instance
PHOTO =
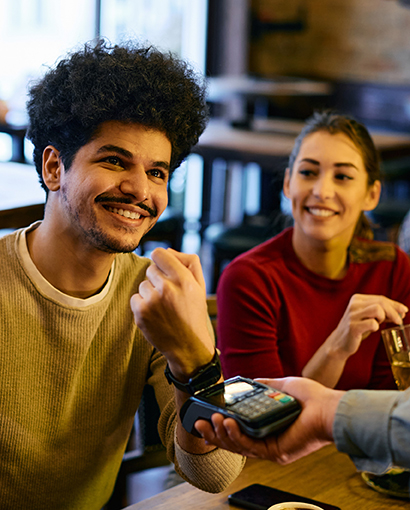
373,427
211,472
247,322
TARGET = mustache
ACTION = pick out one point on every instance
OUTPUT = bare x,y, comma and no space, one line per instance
124,200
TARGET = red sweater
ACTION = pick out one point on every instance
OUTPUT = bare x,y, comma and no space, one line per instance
274,313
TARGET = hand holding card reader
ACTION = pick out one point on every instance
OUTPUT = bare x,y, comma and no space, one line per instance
259,409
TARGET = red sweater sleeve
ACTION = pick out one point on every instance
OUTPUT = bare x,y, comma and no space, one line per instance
247,333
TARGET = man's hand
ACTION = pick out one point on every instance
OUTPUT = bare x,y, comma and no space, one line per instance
171,311
311,430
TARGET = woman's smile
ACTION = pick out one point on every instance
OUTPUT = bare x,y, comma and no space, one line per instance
320,212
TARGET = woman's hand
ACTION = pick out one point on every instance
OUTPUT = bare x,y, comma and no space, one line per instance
363,316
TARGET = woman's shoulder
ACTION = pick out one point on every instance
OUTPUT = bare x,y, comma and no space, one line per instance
261,260
363,251
275,247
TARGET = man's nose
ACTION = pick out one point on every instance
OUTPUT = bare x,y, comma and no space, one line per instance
135,182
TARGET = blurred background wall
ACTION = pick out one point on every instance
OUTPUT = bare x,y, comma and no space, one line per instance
360,40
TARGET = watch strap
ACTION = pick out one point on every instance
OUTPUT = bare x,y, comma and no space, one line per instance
206,376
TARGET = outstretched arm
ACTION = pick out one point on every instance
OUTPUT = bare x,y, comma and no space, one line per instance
371,426
311,430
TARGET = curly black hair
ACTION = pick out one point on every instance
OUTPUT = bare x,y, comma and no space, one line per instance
128,83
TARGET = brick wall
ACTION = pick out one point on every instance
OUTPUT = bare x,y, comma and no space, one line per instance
347,40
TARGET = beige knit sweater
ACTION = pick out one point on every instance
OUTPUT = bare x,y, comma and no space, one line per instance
71,377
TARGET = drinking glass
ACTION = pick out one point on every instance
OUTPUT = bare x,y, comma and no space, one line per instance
397,343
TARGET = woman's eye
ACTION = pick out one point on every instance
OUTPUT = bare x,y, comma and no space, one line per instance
343,177
306,172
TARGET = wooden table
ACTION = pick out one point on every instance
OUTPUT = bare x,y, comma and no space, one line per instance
271,138
223,87
244,97
327,476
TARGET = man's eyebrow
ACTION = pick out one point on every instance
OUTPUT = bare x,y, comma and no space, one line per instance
162,164
115,148
129,155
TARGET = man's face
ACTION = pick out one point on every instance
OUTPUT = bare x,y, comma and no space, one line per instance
116,187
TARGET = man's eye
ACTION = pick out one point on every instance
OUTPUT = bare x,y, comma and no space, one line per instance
159,174
114,160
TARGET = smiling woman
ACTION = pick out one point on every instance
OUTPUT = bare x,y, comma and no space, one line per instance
329,190
311,301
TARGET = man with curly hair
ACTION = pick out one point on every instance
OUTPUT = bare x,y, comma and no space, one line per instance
86,323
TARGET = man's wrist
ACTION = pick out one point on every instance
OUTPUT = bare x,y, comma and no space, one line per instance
330,412
204,377
186,362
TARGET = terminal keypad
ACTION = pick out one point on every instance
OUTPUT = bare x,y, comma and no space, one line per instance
261,402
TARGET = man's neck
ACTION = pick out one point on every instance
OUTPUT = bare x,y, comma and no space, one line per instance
76,272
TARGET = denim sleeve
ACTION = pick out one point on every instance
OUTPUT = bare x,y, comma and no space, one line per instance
373,428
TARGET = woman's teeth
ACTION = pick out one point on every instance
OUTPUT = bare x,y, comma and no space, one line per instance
321,212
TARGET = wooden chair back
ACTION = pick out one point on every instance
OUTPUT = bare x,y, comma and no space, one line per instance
21,216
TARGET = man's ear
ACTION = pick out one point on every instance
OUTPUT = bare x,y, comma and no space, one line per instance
286,181
52,167
373,196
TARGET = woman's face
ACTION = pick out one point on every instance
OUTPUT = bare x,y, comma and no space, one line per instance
328,187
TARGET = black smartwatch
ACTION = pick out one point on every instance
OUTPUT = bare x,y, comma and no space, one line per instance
207,376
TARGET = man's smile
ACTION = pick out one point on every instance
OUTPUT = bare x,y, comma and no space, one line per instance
125,213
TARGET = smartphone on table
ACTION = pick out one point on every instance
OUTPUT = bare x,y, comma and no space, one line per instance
262,497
